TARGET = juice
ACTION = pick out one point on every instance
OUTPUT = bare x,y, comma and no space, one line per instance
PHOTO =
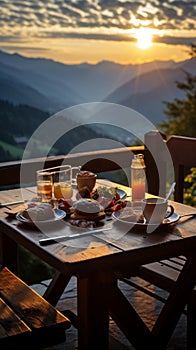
138,191
62,190
44,190
138,179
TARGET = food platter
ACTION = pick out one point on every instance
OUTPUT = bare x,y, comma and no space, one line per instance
58,215
143,225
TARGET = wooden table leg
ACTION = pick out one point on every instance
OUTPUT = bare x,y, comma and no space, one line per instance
127,319
93,316
9,253
56,288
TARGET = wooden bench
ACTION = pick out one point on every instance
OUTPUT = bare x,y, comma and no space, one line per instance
26,319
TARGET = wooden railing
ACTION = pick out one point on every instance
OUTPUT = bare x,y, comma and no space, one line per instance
99,161
182,151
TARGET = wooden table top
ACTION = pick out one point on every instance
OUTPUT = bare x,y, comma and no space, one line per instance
114,247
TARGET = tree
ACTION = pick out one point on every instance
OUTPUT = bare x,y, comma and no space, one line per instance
181,116
182,113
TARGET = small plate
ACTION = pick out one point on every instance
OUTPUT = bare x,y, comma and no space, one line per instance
59,215
171,220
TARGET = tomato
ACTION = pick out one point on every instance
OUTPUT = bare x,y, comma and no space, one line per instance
116,207
112,203
64,204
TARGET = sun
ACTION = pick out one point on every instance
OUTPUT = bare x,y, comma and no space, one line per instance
144,38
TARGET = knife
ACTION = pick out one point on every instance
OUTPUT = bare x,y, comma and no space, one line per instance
52,240
4,205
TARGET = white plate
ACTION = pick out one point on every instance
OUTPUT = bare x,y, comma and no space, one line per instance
171,220
59,215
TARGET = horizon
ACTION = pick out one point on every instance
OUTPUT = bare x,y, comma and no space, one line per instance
77,32
94,63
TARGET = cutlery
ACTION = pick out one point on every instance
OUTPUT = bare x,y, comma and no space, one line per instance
170,191
52,240
4,205
191,214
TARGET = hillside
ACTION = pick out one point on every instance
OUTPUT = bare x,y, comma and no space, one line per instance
33,89
146,93
21,121
61,85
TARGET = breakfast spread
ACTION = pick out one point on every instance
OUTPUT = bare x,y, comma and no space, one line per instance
87,206
39,212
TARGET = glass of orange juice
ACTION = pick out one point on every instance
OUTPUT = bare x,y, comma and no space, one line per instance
62,183
44,186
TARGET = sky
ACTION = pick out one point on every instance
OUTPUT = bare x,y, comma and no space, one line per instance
77,31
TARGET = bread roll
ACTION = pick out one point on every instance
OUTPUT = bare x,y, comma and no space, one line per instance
41,212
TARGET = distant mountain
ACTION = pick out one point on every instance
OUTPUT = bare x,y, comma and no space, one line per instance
55,95
65,85
53,86
17,92
146,93
33,89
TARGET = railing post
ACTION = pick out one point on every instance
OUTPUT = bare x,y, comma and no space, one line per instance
155,163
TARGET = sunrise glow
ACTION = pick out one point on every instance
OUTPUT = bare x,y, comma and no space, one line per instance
144,38
78,31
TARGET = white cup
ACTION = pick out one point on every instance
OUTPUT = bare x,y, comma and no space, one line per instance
155,210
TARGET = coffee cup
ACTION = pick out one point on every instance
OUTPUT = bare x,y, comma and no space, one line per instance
155,210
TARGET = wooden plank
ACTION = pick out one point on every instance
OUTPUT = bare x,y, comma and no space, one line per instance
11,325
159,274
47,323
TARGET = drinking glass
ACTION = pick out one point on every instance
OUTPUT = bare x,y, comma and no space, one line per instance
44,186
75,170
62,183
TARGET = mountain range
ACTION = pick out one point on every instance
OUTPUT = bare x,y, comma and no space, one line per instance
53,86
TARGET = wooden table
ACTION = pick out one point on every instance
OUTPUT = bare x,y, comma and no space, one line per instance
97,260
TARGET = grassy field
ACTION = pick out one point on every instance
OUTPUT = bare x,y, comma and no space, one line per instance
16,152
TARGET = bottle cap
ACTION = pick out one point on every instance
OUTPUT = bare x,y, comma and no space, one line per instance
138,160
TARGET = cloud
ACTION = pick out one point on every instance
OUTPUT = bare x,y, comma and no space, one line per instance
88,17
22,48
170,40
105,37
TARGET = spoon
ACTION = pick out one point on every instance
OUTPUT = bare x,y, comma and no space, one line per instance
170,191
